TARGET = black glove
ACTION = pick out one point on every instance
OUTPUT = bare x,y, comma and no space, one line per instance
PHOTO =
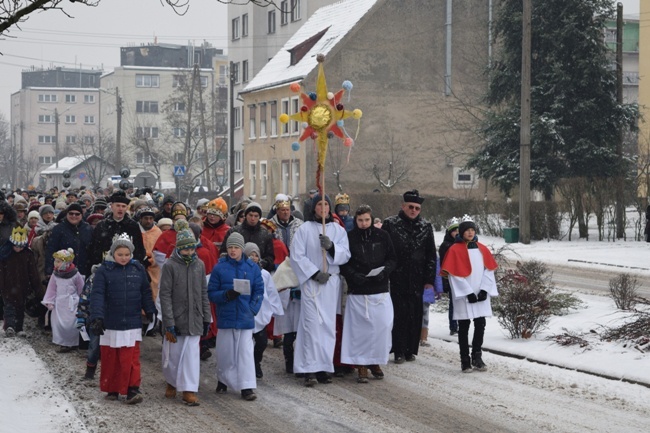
482,295
146,262
294,293
321,277
97,327
206,328
472,299
325,242
232,294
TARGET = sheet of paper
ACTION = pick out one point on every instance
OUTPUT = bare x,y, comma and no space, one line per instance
84,334
242,286
375,271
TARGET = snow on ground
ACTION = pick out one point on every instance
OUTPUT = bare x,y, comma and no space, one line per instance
31,401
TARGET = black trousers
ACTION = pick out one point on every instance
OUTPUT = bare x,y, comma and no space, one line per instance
14,316
407,322
463,335
260,345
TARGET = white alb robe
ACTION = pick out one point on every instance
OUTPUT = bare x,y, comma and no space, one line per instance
235,361
271,304
316,333
367,327
479,279
181,362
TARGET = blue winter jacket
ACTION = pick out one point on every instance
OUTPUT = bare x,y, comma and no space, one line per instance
240,312
119,294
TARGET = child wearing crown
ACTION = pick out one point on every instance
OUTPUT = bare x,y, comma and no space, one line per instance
18,279
470,266
62,298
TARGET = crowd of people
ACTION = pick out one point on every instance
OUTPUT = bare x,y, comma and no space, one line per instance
338,290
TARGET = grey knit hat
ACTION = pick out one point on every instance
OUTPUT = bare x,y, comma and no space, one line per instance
121,240
251,247
235,240
45,209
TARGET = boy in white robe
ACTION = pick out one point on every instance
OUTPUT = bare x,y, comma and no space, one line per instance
320,291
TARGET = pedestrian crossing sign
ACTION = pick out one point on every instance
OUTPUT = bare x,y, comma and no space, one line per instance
179,170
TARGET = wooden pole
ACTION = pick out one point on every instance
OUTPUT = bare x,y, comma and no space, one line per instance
524,155
322,182
620,195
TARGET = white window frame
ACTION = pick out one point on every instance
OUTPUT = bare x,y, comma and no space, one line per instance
270,22
146,132
295,177
295,108
70,98
46,139
70,139
178,80
204,81
252,175
142,158
284,130
46,160
89,139
286,174
45,118
147,107
89,120
244,25
263,114
295,11
274,118
89,99
263,179
234,28
178,106
284,12
237,161
244,71
252,124
147,80
46,97
70,119
238,117
178,132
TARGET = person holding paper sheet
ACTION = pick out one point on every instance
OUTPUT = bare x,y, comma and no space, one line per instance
369,309
237,288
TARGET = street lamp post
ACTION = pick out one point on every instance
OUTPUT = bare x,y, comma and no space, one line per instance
56,131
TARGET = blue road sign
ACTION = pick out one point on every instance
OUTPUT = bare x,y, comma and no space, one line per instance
179,170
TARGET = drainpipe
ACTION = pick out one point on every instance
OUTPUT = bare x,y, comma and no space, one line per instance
448,50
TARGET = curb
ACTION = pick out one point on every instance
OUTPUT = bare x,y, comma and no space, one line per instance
536,361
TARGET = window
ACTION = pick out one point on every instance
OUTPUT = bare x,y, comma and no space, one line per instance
235,28
263,178
178,106
271,22
251,120
146,106
197,132
295,10
238,161
89,99
263,121
244,25
46,139
89,139
178,132
70,139
610,35
465,179
295,177
70,118
252,174
235,72
45,118
47,98
179,157
142,158
285,177
295,126
237,117
285,109
178,80
147,132
223,74
274,118
89,120
46,160
204,81
70,99
147,80
284,13
244,71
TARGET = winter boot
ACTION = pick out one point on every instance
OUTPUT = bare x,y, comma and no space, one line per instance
112,396
189,398
310,380
170,392
133,396
221,388
399,358
277,342
288,364
376,372
248,394
477,362
424,335
466,364
258,371
21,334
323,377
363,374
205,353
10,332
90,372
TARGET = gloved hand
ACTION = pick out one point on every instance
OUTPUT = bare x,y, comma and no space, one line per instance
50,306
80,323
146,262
232,294
97,327
294,293
206,328
321,277
428,296
325,242
472,299
482,295
151,317
170,334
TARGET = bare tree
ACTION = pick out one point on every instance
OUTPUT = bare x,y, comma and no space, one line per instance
14,12
7,164
98,151
389,168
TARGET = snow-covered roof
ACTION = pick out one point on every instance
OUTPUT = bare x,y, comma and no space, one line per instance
336,20
67,163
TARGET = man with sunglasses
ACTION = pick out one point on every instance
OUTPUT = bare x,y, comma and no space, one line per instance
415,248
73,232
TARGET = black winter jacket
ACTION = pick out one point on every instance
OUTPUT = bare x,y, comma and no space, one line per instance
260,237
8,221
65,235
102,239
369,249
416,253
447,242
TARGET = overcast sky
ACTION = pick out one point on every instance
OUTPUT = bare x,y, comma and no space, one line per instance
93,37
95,34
